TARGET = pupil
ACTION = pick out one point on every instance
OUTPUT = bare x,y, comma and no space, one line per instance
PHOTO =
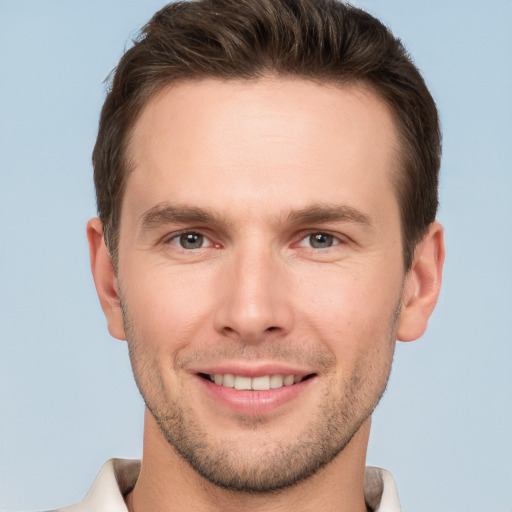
191,240
321,240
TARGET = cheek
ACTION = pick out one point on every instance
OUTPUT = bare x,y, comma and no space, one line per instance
351,311
167,306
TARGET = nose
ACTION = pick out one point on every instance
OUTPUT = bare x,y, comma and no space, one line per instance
254,297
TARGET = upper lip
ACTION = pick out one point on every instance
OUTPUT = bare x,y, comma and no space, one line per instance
251,369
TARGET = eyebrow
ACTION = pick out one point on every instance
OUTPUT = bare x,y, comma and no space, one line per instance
327,213
162,214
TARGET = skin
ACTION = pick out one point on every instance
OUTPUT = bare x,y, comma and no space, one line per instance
255,170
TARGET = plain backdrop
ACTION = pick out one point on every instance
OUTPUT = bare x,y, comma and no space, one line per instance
67,400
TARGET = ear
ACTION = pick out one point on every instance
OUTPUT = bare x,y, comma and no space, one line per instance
105,279
422,285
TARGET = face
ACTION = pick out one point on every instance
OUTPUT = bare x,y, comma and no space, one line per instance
260,272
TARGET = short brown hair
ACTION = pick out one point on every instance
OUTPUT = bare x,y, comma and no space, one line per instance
322,40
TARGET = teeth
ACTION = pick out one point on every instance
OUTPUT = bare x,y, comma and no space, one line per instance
276,381
243,382
228,380
288,380
263,383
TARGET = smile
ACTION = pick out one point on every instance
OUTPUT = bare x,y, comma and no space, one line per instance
252,391
261,383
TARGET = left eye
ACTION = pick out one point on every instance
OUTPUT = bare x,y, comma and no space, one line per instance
190,240
319,241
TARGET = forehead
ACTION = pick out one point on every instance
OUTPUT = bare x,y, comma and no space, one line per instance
262,142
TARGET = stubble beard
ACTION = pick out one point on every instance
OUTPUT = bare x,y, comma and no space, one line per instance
274,466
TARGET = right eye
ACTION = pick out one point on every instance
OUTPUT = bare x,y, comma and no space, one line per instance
190,240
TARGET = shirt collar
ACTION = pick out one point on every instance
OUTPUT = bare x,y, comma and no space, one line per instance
117,478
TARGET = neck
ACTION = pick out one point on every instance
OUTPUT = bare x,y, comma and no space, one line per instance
167,483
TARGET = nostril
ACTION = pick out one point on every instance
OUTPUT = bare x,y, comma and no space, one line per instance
270,329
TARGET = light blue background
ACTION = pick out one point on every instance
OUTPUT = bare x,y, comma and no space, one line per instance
67,400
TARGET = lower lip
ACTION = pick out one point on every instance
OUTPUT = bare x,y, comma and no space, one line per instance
254,402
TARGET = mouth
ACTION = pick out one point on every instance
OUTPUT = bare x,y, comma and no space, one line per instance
260,383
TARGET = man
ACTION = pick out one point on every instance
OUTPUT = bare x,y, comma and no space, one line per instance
266,176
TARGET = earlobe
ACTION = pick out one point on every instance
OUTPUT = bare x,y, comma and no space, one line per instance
105,279
422,285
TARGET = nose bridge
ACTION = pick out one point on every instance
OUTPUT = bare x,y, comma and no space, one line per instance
254,298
